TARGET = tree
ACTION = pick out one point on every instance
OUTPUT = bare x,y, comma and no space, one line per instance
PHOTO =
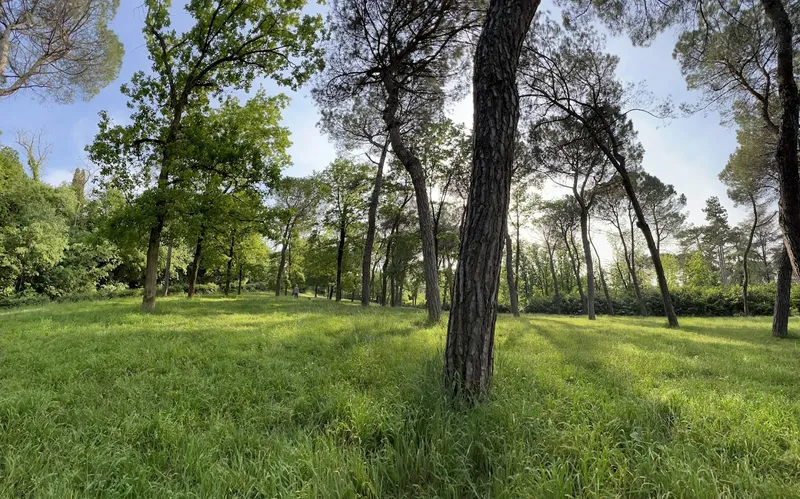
230,43
63,49
296,201
407,52
566,75
347,182
663,206
748,180
571,159
37,149
718,234
469,353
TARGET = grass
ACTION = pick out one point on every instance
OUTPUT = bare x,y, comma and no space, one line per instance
264,397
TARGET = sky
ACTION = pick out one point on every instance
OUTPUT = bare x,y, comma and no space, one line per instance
687,152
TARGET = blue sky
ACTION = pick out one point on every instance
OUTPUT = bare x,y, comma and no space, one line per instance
686,152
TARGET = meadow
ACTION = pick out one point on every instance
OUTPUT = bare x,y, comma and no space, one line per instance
273,397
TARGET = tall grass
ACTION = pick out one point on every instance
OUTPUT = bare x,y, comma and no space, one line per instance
265,397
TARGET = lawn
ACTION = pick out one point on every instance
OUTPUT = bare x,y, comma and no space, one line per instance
262,397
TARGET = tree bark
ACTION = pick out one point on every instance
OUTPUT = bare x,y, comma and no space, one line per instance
469,353
576,271
239,288
169,267
510,275
783,292
414,168
786,153
587,255
340,258
151,267
366,262
195,267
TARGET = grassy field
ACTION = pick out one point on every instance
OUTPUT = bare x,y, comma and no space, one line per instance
263,397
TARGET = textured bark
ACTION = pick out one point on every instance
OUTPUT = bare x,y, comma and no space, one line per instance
469,353
783,292
151,267
746,256
587,255
366,262
414,168
510,275
195,267
786,153
339,259
169,267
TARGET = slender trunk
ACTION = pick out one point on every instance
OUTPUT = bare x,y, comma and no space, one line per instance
746,256
622,276
287,231
603,282
241,272
414,168
366,262
340,258
151,267
551,257
632,272
512,283
576,271
330,292
587,255
195,267
230,264
469,352
786,152
169,268
516,254
783,291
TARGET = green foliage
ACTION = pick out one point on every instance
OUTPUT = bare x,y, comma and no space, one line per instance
303,398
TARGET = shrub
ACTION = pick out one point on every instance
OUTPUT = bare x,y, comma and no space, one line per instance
206,289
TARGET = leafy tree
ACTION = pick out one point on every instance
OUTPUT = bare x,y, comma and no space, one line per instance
228,46
59,48
664,207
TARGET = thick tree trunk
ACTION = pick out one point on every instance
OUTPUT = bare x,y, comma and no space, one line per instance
510,275
195,266
339,259
414,168
786,153
169,268
783,292
366,262
229,266
587,255
603,282
469,353
151,267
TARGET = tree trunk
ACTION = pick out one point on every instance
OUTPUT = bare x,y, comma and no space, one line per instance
629,262
469,353
603,282
366,262
282,263
556,292
746,256
195,267
510,275
577,272
587,255
169,267
783,292
151,267
414,168
340,258
230,264
786,153
241,271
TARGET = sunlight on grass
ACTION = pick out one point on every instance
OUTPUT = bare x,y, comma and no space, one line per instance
263,396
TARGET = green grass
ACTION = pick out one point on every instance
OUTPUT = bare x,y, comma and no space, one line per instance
264,397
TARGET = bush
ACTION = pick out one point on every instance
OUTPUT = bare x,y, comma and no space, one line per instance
715,301
259,286
206,289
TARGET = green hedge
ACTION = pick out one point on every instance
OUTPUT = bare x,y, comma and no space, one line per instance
688,301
